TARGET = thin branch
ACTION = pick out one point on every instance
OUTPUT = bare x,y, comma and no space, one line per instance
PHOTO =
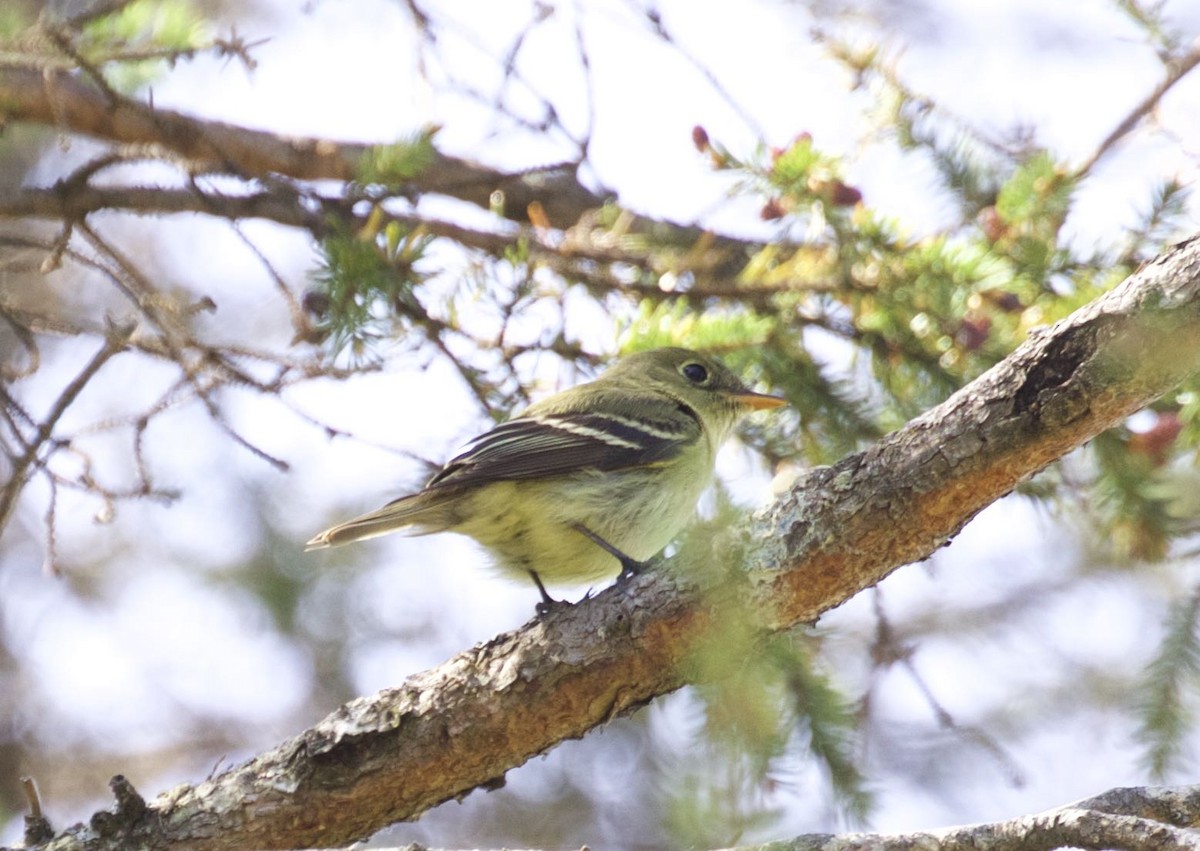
653,17
62,38
295,310
72,201
114,342
1176,71
589,83
175,337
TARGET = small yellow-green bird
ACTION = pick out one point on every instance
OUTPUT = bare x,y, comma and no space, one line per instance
587,483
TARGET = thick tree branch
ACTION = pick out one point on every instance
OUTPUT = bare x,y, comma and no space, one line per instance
842,528
70,104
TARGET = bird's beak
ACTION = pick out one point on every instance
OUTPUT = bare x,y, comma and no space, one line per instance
759,401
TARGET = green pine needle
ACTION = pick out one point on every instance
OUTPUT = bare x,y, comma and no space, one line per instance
1166,718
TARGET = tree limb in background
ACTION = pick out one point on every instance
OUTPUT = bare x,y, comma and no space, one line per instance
1145,818
1161,819
840,529
70,104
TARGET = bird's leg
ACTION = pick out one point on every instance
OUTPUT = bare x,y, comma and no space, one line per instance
548,602
630,567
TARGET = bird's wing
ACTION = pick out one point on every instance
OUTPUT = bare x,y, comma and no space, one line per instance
554,444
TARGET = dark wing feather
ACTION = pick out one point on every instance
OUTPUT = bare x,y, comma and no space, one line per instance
556,444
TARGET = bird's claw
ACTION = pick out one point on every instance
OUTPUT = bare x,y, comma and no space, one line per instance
549,604
631,568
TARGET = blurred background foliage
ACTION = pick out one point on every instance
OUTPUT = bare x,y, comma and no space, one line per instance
185,399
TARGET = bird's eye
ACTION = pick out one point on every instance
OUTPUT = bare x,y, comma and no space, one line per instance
694,372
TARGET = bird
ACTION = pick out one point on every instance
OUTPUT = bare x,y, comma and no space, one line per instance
586,484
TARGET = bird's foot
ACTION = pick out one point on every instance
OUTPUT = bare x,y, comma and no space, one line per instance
548,603
630,567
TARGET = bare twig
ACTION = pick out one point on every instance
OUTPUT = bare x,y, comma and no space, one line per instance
176,338
295,310
653,17
115,342
50,558
1176,71
62,37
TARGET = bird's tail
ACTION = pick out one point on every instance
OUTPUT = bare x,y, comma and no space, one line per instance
418,511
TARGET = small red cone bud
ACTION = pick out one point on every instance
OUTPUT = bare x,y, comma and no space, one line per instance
315,303
1155,442
991,224
1006,301
974,332
700,138
772,210
842,195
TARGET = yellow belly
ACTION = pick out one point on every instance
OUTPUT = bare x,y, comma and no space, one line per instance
529,526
